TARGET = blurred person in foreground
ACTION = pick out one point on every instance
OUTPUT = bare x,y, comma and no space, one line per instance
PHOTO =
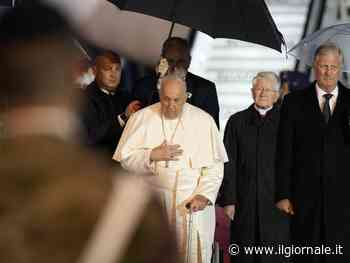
59,203
248,188
107,106
312,160
179,149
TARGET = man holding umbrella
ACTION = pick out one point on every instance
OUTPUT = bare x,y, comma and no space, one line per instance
312,167
201,92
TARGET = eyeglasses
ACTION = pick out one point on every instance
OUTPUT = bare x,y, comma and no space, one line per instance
265,90
329,67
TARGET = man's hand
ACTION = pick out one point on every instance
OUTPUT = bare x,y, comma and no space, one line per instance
286,206
133,107
162,67
230,211
197,203
166,152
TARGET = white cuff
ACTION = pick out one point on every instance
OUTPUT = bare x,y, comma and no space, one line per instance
149,164
120,120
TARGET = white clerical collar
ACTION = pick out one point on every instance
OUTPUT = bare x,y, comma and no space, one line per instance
104,90
321,92
262,111
171,120
42,120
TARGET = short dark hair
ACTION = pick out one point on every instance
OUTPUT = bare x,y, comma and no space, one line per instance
177,42
111,55
35,40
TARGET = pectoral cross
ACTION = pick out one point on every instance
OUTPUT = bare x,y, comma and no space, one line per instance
172,136
166,162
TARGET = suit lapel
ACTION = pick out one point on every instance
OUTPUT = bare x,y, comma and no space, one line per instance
340,105
312,105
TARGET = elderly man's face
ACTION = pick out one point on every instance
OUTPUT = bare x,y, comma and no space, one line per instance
264,94
108,73
172,98
327,70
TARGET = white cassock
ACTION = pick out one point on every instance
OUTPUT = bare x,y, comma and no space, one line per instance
198,171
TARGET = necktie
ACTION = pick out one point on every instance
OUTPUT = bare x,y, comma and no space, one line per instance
326,108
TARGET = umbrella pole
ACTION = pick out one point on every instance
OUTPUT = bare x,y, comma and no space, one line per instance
171,29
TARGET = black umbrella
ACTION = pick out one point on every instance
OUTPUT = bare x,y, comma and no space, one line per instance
247,20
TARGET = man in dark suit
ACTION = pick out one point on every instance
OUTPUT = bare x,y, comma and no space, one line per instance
312,161
201,92
107,107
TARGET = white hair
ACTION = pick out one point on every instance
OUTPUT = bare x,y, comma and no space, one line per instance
176,74
269,75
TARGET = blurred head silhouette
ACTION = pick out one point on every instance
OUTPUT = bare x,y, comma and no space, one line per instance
37,54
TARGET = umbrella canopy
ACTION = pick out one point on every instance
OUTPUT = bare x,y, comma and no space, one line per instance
337,34
106,26
247,20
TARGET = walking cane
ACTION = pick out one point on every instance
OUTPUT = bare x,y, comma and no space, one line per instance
189,233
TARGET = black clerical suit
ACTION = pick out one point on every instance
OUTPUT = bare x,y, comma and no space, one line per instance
202,93
249,183
100,118
313,171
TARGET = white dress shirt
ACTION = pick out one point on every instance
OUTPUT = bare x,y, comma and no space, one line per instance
322,100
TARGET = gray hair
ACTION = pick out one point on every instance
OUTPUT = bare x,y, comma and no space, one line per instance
176,74
271,76
329,47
